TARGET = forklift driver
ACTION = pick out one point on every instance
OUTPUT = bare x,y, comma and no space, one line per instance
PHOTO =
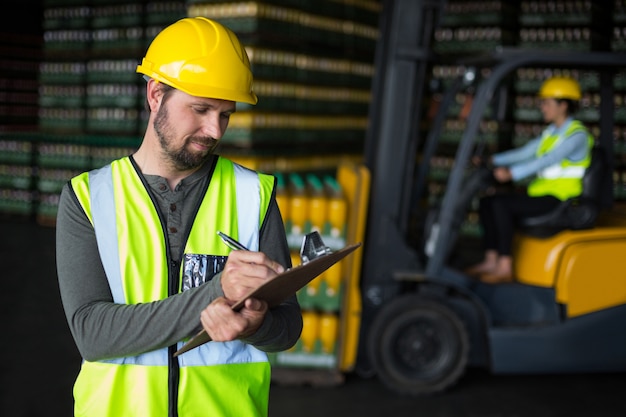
556,161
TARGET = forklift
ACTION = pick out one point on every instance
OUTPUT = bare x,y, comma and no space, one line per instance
423,322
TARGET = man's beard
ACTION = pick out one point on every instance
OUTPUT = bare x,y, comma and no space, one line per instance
182,159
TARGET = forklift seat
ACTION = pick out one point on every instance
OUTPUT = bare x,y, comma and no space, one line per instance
576,213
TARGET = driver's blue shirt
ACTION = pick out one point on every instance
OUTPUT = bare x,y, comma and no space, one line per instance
524,162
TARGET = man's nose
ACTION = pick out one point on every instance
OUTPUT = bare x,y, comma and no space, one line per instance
212,126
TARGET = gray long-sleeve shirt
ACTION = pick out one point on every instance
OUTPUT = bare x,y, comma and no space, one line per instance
103,329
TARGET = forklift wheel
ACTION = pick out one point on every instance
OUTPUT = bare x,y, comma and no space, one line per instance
418,346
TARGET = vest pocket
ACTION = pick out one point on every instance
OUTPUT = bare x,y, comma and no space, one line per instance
200,268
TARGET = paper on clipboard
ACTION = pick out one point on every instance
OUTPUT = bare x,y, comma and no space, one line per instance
281,287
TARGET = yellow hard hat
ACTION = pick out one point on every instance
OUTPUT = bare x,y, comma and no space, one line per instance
202,58
560,88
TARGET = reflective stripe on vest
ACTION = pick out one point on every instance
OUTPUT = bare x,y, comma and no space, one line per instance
560,171
565,168
236,202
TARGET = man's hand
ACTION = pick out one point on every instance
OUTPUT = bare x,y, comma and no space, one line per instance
223,324
502,174
245,271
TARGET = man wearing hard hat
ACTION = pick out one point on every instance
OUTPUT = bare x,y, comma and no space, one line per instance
129,232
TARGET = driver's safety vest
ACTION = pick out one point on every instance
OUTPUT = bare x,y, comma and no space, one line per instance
215,379
564,179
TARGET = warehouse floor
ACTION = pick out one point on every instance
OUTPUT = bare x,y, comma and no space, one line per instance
39,362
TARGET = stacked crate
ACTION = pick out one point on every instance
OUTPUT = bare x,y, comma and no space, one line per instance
313,66
19,63
562,24
91,107
315,202
475,26
17,173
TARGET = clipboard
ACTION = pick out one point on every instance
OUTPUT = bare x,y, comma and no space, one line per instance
280,288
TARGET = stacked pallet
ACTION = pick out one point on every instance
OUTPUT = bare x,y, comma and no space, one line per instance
313,66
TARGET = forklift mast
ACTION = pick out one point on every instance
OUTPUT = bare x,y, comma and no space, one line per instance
391,142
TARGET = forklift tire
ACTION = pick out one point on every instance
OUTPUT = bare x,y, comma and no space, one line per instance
418,346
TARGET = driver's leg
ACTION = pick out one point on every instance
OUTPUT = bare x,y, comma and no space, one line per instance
506,211
486,217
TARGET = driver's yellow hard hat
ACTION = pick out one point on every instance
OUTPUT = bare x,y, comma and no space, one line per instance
560,88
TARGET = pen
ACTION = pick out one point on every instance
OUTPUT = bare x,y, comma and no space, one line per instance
230,242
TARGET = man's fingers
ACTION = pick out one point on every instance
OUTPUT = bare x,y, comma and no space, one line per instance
255,258
245,271
219,320
254,304
223,324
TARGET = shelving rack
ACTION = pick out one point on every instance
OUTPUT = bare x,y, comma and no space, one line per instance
88,101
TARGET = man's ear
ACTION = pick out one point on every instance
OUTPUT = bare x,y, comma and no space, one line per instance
154,94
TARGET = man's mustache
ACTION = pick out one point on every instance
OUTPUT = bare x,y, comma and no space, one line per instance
208,142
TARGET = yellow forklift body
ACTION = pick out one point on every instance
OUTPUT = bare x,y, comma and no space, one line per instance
585,267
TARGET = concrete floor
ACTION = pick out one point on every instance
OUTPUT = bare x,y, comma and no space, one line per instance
39,362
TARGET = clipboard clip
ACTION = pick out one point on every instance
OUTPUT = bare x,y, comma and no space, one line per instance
313,247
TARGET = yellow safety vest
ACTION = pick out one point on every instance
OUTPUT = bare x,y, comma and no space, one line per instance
564,179
215,379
